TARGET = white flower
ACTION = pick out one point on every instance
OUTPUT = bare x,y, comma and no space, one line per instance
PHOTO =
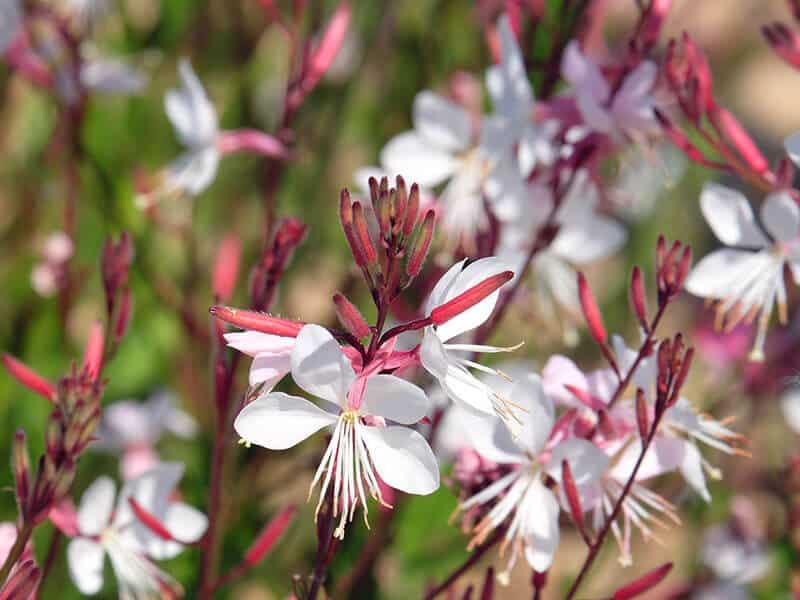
10,21
129,543
629,112
271,356
361,448
195,122
441,357
441,149
514,101
747,279
790,403
520,499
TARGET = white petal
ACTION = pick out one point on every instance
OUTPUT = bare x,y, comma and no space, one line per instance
85,560
790,403
499,446
269,369
439,294
692,471
319,366
507,82
559,372
395,399
541,526
589,241
730,216
190,111
278,421
111,77
441,122
418,160
538,415
193,171
255,342
586,461
402,458
151,490
792,146
185,523
713,275
583,74
97,503
781,216
665,454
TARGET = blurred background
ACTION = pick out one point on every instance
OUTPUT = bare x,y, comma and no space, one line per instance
392,51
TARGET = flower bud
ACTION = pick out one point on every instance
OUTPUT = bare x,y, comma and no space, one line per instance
412,209
22,582
257,321
573,499
641,415
643,584
420,246
29,378
63,482
362,233
400,205
269,536
350,317
22,470
124,314
638,298
226,267
591,312
150,521
93,355
465,300
730,128
487,591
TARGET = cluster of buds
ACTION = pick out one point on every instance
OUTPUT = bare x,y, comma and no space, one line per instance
265,276
393,256
115,265
672,267
673,361
23,582
689,78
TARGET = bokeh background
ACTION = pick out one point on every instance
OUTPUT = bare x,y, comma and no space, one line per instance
393,50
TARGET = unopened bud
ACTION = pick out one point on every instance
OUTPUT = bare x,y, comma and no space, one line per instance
64,480
226,267
421,245
53,434
362,233
269,536
400,204
22,583
257,321
642,584
573,499
591,312
411,210
728,126
22,470
93,355
680,379
638,298
641,415
350,317
124,314
469,298
487,591
29,378
150,521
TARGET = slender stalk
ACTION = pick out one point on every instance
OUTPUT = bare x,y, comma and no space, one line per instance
23,535
466,565
50,559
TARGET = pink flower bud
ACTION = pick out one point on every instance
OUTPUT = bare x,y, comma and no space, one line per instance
591,312
251,140
124,314
411,210
29,378
350,316
257,321
226,267
269,536
641,414
421,245
573,498
346,218
362,233
93,355
469,298
150,521
638,299
729,127
642,584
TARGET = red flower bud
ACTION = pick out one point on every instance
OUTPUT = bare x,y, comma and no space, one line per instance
643,583
591,312
29,378
487,591
469,298
257,321
638,298
226,267
124,314
150,521
362,233
411,210
573,499
269,536
641,415
729,127
350,316
421,245
93,355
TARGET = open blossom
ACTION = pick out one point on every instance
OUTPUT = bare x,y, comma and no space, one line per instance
131,546
514,101
746,279
447,360
442,148
625,111
133,429
363,447
520,500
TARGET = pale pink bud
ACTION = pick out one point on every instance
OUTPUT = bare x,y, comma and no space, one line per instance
469,298
732,130
641,414
269,536
421,245
93,355
638,299
29,378
251,140
591,312
226,267
642,584
573,499
350,316
257,321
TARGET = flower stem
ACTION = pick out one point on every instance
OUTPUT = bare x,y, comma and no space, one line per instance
465,566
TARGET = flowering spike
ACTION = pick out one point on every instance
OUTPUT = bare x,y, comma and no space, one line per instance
93,355
257,321
350,316
150,521
421,245
642,584
638,298
29,378
591,311
269,536
641,414
362,233
226,267
469,298
574,500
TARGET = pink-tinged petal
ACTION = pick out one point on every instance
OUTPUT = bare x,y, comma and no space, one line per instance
541,526
126,423
586,461
279,421
633,106
64,516
152,491
137,460
594,114
730,216
537,415
781,216
716,273
85,560
269,369
792,146
474,316
666,454
97,503
441,122
418,160
394,399
692,471
254,343
319,366
402,458
185,523
583,74
558,373
8,535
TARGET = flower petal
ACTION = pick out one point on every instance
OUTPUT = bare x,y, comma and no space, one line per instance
190,111
559,372
193,171
410,154
253,343
152,491
97,503
730,216
714,275
586,461
269,369
692,470
394,399
586,242
507,82
319,366
541,526
278,421
792,146
781,216
402,458
85,560
440,293
537,415
790,403
185,523
441,122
